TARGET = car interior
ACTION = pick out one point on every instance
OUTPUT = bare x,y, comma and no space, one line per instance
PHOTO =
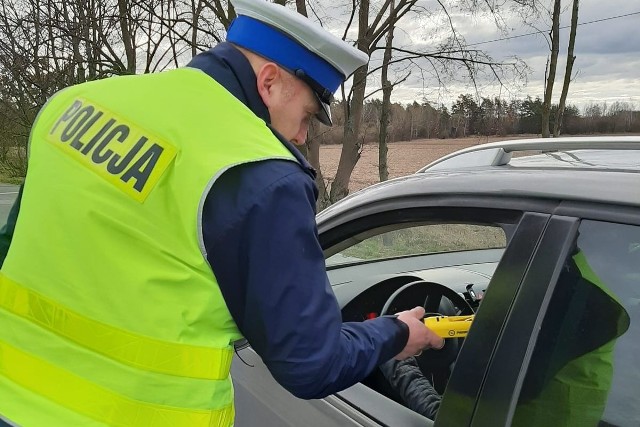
388,269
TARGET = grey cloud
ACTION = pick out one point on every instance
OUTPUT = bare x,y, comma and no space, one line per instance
606,67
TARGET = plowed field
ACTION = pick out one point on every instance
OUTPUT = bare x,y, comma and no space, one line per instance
403,158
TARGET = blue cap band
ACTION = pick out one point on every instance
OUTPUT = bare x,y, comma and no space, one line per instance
273,44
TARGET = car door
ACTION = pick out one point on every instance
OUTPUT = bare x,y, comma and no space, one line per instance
261,400
459,400
566,352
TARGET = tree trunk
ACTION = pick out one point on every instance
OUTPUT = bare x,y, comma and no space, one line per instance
557,125
311,150
82,29
383,137
351,143
196,10
127,40
89,31
301,7
551,71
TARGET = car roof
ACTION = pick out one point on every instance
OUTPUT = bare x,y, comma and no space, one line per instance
622,160
614,150
609,175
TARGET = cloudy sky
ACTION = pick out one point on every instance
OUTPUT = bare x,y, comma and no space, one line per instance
607,66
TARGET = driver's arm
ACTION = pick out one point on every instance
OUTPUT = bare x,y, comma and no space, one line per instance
416,391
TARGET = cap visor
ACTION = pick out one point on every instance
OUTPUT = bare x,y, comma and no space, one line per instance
324,115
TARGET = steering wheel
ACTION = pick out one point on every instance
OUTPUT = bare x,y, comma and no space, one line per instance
436,299
431,295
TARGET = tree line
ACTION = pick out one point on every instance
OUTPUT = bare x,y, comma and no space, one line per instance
486,117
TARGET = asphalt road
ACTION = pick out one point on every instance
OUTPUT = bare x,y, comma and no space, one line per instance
8,194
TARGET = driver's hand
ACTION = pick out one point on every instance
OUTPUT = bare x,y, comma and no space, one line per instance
420,337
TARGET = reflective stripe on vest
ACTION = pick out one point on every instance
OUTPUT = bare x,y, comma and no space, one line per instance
97,402
126,347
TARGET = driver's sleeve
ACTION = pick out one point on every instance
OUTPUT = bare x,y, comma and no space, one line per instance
261,239
414,389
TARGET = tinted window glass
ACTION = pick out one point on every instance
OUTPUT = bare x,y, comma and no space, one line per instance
585,368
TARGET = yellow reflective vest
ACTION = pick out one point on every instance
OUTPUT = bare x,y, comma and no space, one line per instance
110,312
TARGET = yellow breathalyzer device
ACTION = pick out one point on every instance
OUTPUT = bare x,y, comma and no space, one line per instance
449,326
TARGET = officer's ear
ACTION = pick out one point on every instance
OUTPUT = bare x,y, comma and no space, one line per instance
269,79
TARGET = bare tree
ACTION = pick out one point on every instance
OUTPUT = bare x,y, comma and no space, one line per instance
550,73
383,170
126,28
371,30
351,144
568,70
46,45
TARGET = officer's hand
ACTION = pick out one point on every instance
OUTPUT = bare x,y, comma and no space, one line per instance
420,337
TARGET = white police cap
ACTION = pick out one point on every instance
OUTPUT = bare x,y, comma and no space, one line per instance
299,45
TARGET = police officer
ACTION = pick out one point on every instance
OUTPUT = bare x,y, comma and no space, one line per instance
164,217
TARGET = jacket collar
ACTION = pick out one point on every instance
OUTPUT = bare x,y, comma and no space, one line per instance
229,67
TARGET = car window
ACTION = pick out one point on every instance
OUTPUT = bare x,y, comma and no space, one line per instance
421,240
584,368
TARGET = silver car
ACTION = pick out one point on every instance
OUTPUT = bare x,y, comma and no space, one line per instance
491,231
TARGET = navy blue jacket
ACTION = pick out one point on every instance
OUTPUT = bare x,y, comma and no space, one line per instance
262,243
